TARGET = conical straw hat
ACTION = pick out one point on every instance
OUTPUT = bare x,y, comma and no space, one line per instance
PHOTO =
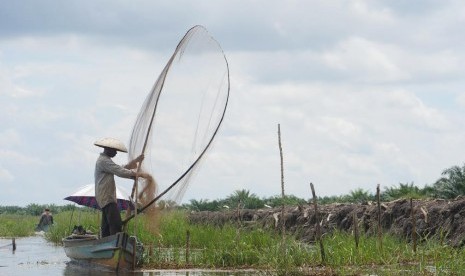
111,143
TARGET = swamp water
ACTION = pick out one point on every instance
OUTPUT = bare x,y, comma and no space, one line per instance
35,256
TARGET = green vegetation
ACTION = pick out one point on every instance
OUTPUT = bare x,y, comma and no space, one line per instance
452,184
218,247
232,246
37,209
17,225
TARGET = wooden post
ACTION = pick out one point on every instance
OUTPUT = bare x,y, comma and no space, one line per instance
238,213
380,238
14,244
317,225
356,234
150,252
414,230
188,245
283,222
239,220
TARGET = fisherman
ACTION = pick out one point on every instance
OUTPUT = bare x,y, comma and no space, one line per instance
105,189
46,219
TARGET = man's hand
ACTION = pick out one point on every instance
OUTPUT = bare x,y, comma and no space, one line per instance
139,158
133,163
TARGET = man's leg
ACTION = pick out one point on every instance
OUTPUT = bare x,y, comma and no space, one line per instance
114,219
105,226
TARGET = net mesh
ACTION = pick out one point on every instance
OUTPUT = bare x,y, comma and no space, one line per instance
181,115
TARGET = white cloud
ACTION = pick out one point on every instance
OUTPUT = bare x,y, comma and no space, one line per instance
9,138
369,60
20,159
6,176
380,14
461,99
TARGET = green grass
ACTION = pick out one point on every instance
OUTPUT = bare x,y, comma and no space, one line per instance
17,225
252,247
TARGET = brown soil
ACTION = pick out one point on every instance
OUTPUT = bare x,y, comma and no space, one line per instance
440,219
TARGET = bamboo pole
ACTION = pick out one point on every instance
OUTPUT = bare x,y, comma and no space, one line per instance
414,230
283,222
317,225
380,238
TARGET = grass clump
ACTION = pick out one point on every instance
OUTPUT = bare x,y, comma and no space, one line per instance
225,246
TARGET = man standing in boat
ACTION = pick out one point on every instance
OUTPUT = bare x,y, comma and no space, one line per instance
105,189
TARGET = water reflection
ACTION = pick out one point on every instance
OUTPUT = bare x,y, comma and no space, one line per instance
35,256
75,270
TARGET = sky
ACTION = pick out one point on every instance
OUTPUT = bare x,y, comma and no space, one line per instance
365,92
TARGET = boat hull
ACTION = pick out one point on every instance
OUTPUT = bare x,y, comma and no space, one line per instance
116,252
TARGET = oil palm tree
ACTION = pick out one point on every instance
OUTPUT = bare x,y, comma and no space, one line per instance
452,184
359,195
245,198
404,191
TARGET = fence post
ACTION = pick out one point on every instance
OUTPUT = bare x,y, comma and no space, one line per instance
151,251
14,244
380,237
188,245
317,225
283,221
356,234
414,230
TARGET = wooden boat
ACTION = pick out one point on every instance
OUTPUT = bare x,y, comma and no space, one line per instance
117,252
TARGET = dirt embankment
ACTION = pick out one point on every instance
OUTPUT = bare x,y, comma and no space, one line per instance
441,219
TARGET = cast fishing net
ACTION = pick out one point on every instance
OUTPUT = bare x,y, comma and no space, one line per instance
181,115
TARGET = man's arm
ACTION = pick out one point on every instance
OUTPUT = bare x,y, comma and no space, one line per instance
109,166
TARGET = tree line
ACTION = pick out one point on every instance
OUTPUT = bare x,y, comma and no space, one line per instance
449,186
34,209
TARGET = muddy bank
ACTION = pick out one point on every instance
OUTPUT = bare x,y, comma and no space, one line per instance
441,219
